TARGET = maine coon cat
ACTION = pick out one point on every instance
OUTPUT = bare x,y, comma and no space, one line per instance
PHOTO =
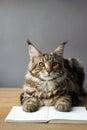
52,80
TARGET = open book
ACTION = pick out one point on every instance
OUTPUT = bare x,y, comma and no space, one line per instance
48,114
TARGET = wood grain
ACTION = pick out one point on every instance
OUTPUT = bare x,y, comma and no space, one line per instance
10,97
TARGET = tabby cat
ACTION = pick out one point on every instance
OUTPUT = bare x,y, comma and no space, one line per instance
52,80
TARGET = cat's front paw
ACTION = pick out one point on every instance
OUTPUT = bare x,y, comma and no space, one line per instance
63,107
63,104
30,107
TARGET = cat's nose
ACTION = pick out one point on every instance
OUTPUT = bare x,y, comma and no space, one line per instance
48,70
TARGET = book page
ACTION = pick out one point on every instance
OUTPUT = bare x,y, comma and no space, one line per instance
45,114
76,113
18,115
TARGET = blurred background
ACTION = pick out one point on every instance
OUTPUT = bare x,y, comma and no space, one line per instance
46,23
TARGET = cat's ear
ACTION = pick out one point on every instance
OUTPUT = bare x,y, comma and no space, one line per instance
33,51
60,49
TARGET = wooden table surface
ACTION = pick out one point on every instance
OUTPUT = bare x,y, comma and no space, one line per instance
10,97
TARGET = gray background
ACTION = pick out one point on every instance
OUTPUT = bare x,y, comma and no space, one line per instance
46,23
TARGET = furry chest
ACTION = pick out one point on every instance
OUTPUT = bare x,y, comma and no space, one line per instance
46,86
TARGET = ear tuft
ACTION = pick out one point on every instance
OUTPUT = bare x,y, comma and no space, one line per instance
29,42
64,43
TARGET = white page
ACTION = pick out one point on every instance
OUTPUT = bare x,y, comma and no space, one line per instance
76,113
18,115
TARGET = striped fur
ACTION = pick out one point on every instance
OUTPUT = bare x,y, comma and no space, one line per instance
52,80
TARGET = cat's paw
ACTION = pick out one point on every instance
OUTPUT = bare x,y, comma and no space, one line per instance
30,107
63,107
63,104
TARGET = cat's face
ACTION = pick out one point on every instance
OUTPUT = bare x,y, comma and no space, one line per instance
46,66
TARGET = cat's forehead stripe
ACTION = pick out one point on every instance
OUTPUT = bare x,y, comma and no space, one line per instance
47,57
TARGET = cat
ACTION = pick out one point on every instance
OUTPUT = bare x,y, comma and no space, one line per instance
52,80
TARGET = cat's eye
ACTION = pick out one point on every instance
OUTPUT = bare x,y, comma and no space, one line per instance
41,64
54,63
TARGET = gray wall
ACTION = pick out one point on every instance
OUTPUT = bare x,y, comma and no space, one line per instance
46,23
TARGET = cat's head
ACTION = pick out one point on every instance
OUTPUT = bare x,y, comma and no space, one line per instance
46,66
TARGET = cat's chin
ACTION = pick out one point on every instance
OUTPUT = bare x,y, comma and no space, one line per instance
47,78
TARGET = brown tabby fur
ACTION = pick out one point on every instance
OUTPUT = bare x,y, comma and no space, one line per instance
51,80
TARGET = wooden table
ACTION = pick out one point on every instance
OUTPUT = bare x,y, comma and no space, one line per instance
10,97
